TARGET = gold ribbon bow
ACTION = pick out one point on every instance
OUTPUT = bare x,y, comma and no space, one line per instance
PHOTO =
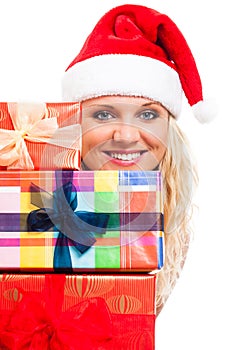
32,123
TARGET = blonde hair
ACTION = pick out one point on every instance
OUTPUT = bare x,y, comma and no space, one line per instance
179,182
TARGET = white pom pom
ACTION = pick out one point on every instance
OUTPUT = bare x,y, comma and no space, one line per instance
205,111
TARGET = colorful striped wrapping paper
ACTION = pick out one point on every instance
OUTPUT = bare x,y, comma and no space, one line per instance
88,312
36,136
132,239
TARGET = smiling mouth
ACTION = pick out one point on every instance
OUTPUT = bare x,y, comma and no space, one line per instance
125,156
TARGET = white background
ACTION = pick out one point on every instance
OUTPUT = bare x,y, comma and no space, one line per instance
40,38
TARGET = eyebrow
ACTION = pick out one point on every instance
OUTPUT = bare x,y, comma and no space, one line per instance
151,103
102,105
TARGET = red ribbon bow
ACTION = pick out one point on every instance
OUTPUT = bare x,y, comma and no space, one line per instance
40,323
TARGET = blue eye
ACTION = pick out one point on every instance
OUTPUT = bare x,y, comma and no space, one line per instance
149,115
103,115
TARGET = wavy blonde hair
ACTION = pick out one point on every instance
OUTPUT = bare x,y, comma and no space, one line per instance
180,179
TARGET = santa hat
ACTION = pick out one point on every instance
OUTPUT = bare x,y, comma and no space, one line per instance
137,51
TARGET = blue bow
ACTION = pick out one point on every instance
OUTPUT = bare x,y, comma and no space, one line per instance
78,227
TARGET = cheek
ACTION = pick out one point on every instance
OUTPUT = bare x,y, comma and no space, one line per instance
94,137
157,139
157,145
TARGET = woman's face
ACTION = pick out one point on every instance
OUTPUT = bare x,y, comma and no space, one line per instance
123,133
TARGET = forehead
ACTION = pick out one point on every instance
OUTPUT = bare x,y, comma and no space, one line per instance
112,100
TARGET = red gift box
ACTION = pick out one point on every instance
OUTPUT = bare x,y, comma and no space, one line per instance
37,136
85,312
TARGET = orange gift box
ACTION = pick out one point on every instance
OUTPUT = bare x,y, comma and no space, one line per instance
37,136
85,312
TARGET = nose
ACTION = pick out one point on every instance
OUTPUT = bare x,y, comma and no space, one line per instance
126,133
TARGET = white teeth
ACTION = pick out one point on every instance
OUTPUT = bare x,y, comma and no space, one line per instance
124,156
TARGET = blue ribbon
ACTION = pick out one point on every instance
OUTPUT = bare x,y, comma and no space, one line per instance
78,227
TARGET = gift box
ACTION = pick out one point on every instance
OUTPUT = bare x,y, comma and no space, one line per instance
81,221
65,312
40,136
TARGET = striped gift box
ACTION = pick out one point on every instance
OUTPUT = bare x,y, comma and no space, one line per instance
115,223
35,136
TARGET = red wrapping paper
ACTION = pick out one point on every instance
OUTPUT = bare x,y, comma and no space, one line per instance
85,312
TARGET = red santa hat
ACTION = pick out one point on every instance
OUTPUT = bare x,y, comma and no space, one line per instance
137,51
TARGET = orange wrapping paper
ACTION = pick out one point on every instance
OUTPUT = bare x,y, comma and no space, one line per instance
40,136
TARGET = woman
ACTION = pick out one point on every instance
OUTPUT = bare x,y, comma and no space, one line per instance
131,74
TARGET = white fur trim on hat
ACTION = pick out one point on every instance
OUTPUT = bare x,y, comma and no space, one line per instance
124,74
